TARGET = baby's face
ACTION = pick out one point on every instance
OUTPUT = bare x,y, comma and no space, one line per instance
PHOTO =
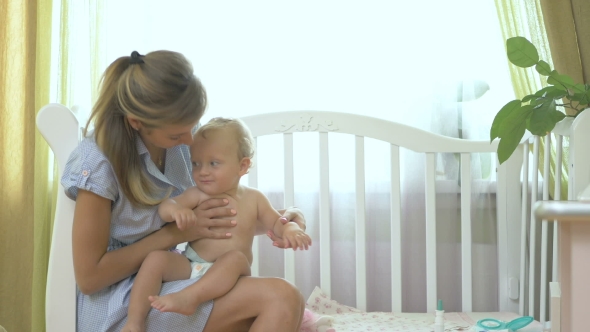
216,167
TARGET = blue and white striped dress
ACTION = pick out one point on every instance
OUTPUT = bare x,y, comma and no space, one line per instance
88,169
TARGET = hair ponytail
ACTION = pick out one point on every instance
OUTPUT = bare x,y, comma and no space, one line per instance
158,89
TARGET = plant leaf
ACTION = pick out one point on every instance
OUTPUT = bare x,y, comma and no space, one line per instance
586,99
514,120
562,82
511,131
538,101
543,68
579,97
555,93
541,92
521,52
543,118
508,144
528,98
501,115
579,88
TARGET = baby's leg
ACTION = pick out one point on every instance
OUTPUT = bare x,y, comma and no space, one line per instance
217,281
158,266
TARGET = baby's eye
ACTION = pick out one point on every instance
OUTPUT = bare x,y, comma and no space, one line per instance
214,163
195,164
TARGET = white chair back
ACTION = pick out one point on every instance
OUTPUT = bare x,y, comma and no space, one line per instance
60,128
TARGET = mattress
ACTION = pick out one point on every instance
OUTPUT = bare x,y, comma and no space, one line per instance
328,315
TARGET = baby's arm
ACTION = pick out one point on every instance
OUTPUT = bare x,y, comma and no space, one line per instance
291,233
180,208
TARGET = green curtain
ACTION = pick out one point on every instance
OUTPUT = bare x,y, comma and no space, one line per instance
81,53
25,179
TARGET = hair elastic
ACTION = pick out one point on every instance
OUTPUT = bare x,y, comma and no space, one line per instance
136,58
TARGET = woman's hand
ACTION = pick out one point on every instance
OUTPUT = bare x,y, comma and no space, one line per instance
209,218
291,214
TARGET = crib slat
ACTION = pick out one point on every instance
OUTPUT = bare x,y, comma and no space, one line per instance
523,229
253,182
396,231
430,201
546,179
289,199
555,248
360,237
508,200
533,226
466,240
557,195
325,259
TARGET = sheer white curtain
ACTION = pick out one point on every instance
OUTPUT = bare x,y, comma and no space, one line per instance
436,65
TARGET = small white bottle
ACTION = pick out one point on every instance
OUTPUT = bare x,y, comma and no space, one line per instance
439,319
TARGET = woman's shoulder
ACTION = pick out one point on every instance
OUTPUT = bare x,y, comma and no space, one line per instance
87,154
89,169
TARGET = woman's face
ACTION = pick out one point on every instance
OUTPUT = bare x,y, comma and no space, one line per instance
167,136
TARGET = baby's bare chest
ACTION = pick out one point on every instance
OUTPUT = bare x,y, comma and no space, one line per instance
246,214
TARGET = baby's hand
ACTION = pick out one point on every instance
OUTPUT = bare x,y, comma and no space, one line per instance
184,218
295,237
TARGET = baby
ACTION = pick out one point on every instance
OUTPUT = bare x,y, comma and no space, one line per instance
220,154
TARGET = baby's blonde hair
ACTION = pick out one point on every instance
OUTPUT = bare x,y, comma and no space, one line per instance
238,128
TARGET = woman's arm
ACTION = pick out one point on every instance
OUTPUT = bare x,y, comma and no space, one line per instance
290,233
292,214
95,268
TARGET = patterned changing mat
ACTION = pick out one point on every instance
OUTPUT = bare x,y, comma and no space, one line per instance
331,316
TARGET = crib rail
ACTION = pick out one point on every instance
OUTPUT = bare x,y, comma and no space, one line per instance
285,124
538,257
541,258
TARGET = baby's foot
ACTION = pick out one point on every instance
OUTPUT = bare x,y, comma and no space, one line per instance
180,302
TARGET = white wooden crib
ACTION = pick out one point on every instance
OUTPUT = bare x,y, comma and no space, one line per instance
518,291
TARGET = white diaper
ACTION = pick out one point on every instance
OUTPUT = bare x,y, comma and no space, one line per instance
198,265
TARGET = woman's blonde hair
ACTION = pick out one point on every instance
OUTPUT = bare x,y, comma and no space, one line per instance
238,128
158,89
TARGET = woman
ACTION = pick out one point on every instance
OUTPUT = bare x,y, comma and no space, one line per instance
135,157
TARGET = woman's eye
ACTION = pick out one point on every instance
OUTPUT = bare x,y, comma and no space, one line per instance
175,138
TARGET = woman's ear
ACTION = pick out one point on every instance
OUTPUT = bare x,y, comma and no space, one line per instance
245,165
134,123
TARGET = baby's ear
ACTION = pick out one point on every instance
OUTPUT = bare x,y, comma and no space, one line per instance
245,165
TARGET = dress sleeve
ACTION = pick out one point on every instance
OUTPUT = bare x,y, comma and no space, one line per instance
88,169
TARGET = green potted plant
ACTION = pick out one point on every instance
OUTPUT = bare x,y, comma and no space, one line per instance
536,112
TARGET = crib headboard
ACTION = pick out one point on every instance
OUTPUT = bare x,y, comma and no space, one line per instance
286,125
507,186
